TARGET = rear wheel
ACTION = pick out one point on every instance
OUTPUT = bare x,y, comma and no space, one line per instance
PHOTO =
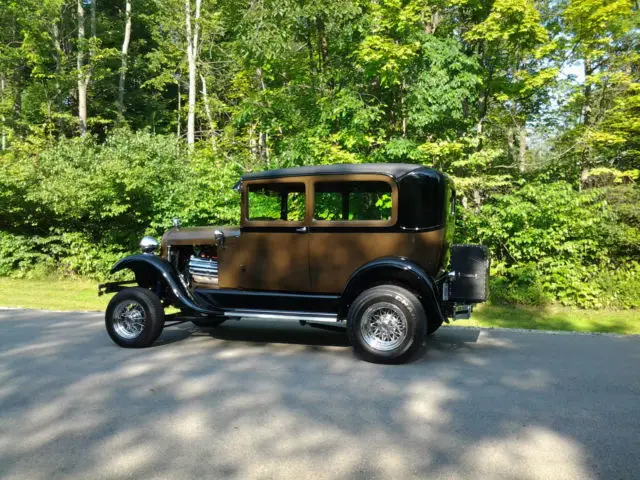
134,318
386,324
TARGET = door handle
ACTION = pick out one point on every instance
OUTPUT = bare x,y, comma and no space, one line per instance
302,229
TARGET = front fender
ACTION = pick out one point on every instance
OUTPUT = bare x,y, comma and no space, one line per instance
149,269
393,270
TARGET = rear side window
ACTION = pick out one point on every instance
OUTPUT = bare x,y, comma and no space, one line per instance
352,201
276,201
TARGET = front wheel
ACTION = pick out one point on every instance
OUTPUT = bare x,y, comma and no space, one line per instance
134,318
386,324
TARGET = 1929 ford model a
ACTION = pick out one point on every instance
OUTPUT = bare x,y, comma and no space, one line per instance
362,247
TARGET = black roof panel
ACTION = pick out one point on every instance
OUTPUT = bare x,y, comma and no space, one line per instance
395,170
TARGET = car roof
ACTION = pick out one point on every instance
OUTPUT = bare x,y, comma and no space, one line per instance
395,170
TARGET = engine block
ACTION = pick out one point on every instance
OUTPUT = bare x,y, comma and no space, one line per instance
204,270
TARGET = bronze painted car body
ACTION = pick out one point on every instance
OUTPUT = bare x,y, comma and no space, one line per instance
312,241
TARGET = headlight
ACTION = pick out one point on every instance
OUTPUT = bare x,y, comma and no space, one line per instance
149,244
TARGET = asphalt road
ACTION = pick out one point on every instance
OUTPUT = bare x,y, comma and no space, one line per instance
257,401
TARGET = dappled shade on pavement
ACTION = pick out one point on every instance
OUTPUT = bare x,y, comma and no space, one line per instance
267,401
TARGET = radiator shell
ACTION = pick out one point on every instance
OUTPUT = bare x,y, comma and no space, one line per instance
471,265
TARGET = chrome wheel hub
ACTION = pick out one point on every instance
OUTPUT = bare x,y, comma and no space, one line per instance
384,326
129,319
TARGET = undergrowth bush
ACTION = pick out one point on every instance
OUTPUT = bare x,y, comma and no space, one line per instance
75,206
66,254
553,243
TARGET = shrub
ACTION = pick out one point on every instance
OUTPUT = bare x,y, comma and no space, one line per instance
75,206
551,242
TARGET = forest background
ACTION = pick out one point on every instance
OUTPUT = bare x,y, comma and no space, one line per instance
116,116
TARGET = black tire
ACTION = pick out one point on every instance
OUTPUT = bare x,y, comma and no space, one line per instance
146,313
433,326
403,307
209,322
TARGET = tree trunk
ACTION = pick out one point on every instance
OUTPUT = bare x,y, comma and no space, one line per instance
403,113
511,144
207,109
263,148
587,93
585,161
322,41
82,82
312,65
434,20
84,77
192,53
123,63
179,109
484,104
192,74
55,37
57,57
522,154
252,144
477,199
3,133
93,19
602,106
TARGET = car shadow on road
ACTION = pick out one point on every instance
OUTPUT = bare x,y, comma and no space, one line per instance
255,333
264,332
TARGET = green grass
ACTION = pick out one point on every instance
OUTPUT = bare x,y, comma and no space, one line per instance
72,294
555,317
52,294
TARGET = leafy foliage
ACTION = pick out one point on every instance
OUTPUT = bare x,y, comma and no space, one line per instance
79,205
552,242
532,106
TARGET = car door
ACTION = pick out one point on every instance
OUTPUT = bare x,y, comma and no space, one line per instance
272,252
353,222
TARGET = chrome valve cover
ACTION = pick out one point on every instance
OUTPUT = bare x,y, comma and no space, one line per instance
204,270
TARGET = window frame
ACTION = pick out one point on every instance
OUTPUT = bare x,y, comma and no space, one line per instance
246,221
353,178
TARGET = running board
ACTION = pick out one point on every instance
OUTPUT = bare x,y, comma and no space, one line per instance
283,315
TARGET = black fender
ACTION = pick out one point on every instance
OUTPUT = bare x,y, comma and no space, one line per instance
393,270
151,269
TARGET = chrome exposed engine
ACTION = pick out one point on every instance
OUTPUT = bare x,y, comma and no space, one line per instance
203,270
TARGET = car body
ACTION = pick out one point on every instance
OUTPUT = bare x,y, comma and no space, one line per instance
311,242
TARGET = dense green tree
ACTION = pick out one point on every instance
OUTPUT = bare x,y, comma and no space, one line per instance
603,38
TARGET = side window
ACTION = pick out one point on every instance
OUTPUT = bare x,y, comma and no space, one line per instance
349,201
276,201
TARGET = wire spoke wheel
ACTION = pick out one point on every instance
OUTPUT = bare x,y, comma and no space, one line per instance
129,319
384,326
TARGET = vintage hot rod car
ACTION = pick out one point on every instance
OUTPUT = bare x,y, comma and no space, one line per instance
366,248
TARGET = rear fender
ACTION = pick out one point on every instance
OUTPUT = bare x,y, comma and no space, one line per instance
397,270
156,273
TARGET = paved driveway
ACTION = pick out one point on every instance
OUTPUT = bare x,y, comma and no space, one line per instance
262,401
